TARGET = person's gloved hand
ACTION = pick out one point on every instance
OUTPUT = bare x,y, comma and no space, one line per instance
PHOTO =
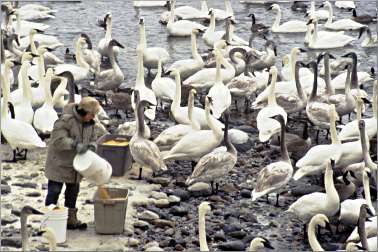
82,148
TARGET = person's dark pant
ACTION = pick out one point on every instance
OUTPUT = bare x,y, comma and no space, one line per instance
53,190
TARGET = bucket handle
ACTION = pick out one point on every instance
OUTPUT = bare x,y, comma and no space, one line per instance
43,222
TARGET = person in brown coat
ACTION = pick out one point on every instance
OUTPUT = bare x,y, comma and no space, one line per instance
73,132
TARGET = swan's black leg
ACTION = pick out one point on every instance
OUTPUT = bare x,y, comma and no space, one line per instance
277,205
327,134
212,187
236,105
216,188
140,173
267,199
14,160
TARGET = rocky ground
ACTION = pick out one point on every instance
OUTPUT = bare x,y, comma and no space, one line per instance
162,213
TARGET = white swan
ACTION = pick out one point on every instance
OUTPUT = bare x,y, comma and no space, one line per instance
215,165
180,114
259,243
90,55
188,67
321,220
50,58
35,14
181,28
345,4
289,60
188,147
112,78
291,26
370,229
210,36
276,175
265,124
315,160
326,203
42,39
189,12
319,14
45,116
341,24
163,87
144,152
349,209
170,136
220,94
23,27
18,134
370,40
205,78
327,40
223,14
103,44
144,92
81,70
151,55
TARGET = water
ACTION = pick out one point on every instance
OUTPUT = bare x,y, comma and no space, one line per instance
74,18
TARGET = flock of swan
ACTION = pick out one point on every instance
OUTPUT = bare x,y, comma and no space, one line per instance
322,96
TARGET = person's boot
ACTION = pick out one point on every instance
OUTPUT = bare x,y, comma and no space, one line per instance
73,222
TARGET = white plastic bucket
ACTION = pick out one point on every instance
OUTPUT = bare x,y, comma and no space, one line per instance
57,220
93,167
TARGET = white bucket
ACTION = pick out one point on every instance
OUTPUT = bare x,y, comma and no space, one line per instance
57,221
93,167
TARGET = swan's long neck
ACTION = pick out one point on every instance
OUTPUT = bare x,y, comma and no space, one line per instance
177,100
212,22
41,68
79,59
47,84
278,19
284,152
6,91
354,80
271,96
359,110
218,77
142,40
24,233
209,119
348,81
158,75
227,64
332,197
18,21
365,181
140,120
33,49
113,61
172,15
314,243
293,61
314,85
332,128
195,53
108,33
330,13
140,73
298,85
202,232
26,88
195,125
230,147
327,76
361,230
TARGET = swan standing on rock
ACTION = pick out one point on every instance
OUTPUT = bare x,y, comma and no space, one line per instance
188,67
151,55
181,28
276,175
292,26
112,78
315,160
216,164
144,92
265,124
18,134
220,94
170,136
144,152
327,203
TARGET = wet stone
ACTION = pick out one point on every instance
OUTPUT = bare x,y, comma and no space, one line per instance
231,228
148,215
33,194
173,199
5,189
160,180
179,247
162,203
163,223
26,185
182,194
237,234
219,236
11,242
232,246
200,189
245,193
158,195
141,225
178,211
5,220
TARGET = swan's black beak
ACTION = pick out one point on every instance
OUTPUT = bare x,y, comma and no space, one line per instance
309,21
49,49
268,245
34,55
16,63
331,56
36,212
168,72
141,20
119,44
302,50
322,5
369,212
269,8
41,232
39,31
352,174
320,57
362,29
366,100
